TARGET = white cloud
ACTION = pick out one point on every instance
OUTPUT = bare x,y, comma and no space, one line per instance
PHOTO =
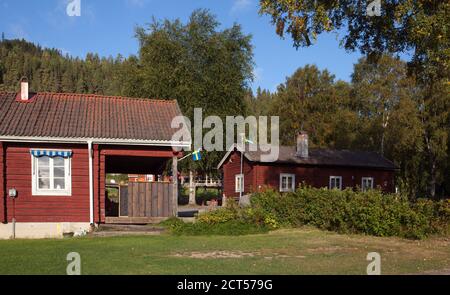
240,5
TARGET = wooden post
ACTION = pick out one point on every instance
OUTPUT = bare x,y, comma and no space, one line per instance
175,186
191,188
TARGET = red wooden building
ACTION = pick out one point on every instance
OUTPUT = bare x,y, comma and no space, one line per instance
56,149
296,165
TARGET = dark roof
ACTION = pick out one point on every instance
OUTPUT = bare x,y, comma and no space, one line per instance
326,157
87,116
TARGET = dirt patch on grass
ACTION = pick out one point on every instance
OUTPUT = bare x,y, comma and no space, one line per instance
234,254
278,255
215,254
331,249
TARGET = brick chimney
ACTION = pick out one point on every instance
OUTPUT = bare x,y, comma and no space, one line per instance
302,144
24,95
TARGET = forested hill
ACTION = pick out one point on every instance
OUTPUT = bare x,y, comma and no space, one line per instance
49,70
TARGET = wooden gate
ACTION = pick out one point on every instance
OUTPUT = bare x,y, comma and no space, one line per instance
150,199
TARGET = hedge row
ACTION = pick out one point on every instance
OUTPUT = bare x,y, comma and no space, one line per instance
343,211
348,211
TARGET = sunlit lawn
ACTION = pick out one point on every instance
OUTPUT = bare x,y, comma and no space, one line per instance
299,251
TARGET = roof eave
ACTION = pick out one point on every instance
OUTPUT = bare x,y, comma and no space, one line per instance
116,141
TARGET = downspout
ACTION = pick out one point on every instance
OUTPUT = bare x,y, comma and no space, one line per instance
91,184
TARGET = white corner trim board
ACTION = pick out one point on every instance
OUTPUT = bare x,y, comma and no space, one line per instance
91,183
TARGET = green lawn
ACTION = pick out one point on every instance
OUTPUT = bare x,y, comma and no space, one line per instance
296,251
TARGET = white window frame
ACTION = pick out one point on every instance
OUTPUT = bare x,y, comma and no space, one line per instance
36,191
363,179
239,178
287,175
335,177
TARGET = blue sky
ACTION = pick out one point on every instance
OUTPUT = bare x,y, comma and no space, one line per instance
107,28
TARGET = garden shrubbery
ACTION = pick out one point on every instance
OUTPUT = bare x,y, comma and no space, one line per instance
343,211
230,220
348,211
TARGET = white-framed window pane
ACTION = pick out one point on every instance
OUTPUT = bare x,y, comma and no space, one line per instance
58,172
51,176
335,182
58,162
44,183
287,182
43,161
59,183
44,172
367,183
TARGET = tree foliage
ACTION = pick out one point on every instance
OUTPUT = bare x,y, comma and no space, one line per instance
404,25
418,28
381,110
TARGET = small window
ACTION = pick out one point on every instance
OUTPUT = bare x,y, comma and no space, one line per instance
287,182
366,183
239,183
51,176
336,182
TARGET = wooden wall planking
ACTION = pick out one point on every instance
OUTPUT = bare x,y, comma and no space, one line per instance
149,199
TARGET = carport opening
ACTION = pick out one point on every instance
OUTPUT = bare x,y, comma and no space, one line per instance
121,170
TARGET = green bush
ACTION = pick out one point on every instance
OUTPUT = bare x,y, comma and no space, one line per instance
218,216
348,211
230,220
343,211
230,227
206,194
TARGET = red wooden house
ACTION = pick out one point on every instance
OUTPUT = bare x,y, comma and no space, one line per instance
296,165
56,149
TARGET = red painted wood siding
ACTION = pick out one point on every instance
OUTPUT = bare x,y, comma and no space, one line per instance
320,176
16,173
231,168
31,208
258,175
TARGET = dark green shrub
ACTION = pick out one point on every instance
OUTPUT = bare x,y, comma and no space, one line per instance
348,211
206,194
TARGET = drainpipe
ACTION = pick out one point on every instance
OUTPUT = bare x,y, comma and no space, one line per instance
91,184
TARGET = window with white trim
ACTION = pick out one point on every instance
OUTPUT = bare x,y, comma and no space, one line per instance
51,176
239,183
336,182
366,183
287,182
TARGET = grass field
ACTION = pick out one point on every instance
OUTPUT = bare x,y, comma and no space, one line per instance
294,251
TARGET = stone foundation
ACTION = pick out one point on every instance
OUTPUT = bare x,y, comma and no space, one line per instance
40,230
